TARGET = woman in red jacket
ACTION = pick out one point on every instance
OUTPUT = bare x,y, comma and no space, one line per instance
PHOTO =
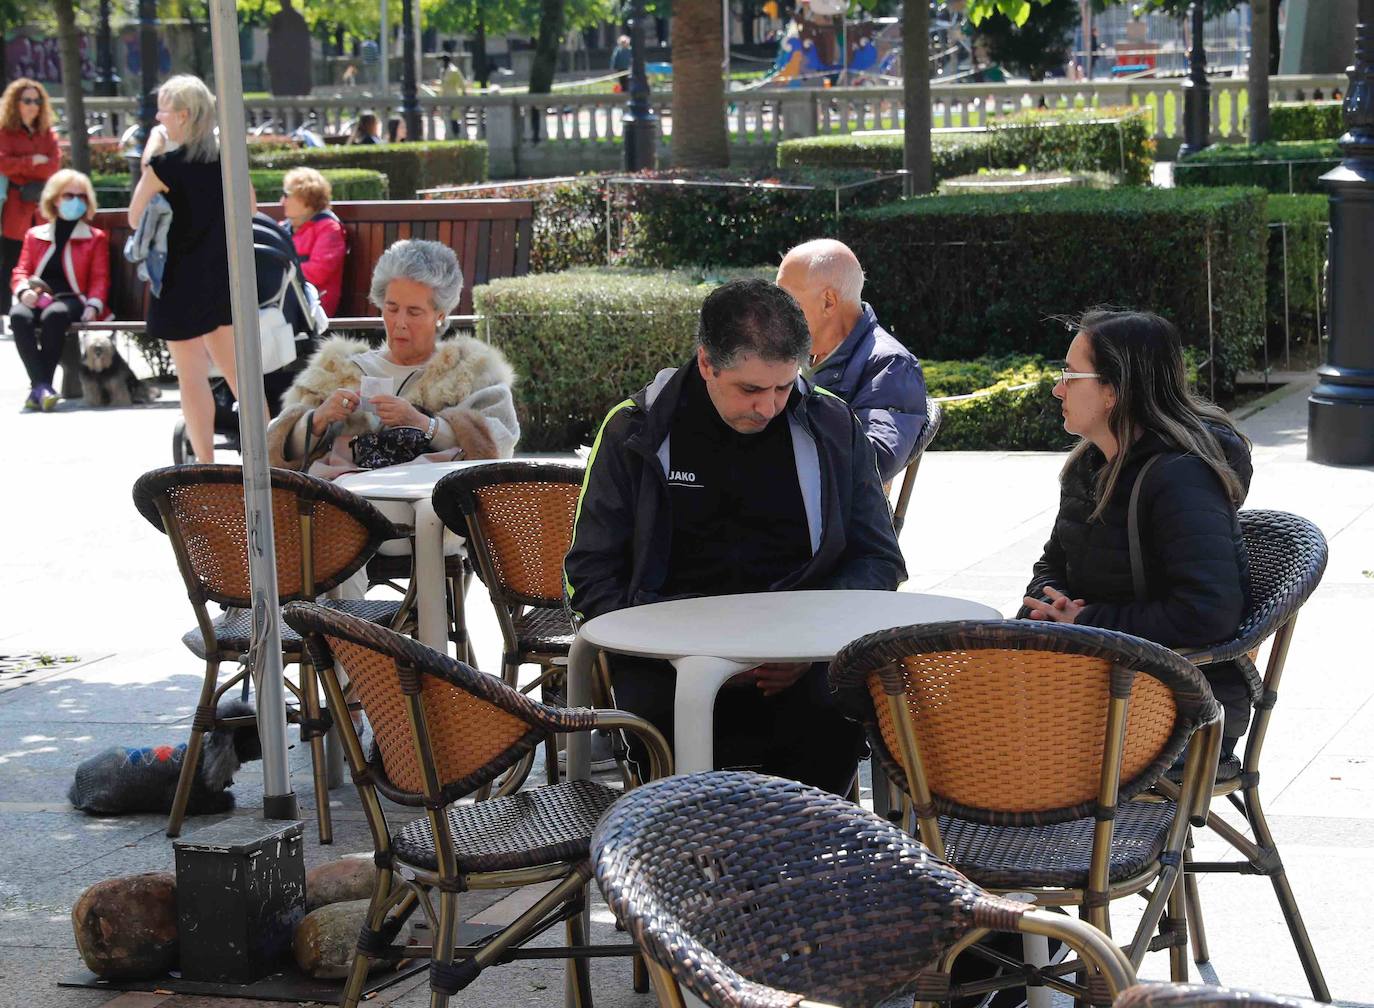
28,158
63,276
317,233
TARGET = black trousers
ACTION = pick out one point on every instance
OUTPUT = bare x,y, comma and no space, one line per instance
9,258
798,733
1232,692
39,339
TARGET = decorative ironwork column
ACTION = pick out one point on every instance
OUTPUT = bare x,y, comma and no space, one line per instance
1197,92
1340,410
640,123
106,80
147,98
410,102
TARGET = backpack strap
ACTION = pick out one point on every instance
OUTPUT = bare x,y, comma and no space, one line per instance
1133,531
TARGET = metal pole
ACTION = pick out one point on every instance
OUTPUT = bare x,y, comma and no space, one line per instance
106,80
1197,127
279,801
147,99
1340,410
384,49
640,125
725,38
410,104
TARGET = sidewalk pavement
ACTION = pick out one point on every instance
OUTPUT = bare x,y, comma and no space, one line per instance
85,576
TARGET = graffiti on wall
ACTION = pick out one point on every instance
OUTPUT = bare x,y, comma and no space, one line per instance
41,59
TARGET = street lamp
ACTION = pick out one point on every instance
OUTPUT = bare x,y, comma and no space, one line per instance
106,80
147,105
410,103
1340,410
1197,127
640,124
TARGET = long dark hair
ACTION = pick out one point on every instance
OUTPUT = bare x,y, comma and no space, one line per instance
1140,356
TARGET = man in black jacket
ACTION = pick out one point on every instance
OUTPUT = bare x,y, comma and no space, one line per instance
733,474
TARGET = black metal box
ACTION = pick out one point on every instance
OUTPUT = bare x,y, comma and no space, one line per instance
240,895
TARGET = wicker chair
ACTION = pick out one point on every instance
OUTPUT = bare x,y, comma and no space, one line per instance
1020,747
518,520
442,730
1162,995
934,414
759,892
323,534
1287,556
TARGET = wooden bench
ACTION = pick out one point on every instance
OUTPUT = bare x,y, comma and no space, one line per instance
490,236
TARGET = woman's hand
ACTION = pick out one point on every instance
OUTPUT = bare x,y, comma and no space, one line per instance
394,411
88,313
339,406
1055,606
40,159
28,297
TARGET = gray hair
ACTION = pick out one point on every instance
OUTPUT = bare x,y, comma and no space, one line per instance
752,317
830,263
188,93
430,263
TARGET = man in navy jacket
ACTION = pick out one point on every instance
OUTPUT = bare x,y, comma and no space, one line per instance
853,356
733,474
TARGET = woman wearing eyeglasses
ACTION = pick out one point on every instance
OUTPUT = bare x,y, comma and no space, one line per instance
1124,392
29,156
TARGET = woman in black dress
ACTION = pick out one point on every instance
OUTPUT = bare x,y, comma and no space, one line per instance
191,311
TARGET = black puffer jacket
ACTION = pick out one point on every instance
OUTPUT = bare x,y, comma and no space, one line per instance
1193,553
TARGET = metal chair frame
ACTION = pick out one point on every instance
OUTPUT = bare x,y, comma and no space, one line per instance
934,416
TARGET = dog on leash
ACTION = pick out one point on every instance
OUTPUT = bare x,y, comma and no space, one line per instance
123,779
106,378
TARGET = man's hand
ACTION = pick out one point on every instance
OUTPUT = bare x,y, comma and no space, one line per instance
774,677
394,411
1055,606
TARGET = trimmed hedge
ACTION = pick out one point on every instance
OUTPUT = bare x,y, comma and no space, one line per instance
346,184
584,339
964,276
1113,140
1002,415
1281,167
1305,221
1306,120
409,166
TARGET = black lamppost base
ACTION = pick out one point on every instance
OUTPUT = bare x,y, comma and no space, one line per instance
1340,426
641,141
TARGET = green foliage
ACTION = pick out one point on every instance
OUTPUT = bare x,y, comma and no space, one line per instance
736,224
964,276
409,166
1280,167
346,184
1306,120
1304,220
1115,140
1035,45
1015,11
1015,412
584,339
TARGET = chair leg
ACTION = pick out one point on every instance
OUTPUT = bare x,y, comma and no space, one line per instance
641,974
444,936
578,980
665,987
1193,904
376,916
1176,917
319,759
202,722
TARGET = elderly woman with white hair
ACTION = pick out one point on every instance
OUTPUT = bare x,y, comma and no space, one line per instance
418,398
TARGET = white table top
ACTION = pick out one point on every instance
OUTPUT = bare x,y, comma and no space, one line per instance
415,480
770,626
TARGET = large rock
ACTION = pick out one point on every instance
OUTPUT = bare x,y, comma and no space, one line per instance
339,881
326,940
127,927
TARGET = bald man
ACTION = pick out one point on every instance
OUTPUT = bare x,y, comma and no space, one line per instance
852,355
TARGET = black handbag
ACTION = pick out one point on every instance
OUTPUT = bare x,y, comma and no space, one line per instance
388,447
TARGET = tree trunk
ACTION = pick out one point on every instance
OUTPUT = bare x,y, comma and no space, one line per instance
916,98
699,135
481,72
70,47
546,46
1259,70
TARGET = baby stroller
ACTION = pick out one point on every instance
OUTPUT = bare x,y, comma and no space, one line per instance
280,287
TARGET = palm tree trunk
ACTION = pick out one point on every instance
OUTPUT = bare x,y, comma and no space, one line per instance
699,135
916,158
70,47
1259,70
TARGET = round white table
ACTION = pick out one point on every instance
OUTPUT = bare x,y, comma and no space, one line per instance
410,489
708,640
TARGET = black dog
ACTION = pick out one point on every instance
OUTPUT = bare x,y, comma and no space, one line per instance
123,780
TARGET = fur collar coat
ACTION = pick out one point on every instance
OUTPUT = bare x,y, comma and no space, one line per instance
467,384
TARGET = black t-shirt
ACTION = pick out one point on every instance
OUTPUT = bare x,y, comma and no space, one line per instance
738,519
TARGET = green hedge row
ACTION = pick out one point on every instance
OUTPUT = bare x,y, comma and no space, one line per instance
569,218
966,276
1011,405
1288,166
409,166
345,183
1303,223
584,339
1113,140
1306,120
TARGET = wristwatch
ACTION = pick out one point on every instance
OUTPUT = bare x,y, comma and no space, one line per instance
432,429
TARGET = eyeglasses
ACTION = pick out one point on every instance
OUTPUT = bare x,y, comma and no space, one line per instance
30,101
1066,376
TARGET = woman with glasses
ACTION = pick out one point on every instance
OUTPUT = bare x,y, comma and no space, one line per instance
316,231
1124,392
29,156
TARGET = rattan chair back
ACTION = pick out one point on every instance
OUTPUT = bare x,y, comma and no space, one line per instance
442,729
519,517
754,890
321,532
1169,995
1017,723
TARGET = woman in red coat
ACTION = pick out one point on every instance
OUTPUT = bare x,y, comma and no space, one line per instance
63,276
316,232
28,158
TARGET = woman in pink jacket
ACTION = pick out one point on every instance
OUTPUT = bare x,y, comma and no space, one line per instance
29,156
317,233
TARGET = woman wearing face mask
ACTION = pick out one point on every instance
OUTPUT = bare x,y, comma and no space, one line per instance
28,157
63,276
